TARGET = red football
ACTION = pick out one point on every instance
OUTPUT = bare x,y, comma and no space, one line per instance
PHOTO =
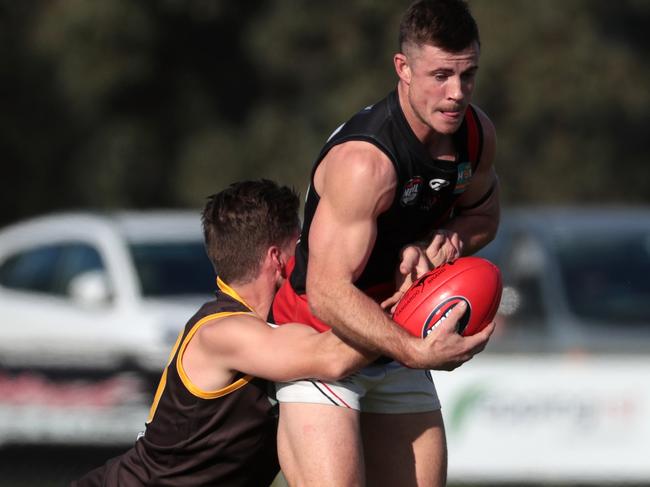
430,299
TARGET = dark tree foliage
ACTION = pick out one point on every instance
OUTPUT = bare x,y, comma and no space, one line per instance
149,104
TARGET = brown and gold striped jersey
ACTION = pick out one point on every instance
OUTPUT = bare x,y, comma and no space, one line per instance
195,437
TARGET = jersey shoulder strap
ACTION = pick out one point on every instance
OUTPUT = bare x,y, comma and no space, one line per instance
474,136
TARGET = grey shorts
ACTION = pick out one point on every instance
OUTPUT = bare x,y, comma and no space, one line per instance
378,388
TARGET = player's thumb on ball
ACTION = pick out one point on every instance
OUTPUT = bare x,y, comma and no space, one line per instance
458,311
450,323
460,308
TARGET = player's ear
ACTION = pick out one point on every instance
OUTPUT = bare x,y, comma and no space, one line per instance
273,254
277,260
402,67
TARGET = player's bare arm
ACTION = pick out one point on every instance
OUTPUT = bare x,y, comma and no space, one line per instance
356,183
477,219
247,344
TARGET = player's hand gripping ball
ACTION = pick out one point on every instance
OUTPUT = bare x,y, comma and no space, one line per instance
430,299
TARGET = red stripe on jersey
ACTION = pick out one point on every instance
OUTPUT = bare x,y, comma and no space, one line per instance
473,136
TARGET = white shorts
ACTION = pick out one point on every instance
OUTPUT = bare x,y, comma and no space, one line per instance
378,388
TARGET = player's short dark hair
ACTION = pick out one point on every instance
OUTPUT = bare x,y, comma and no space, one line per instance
447,24
241,222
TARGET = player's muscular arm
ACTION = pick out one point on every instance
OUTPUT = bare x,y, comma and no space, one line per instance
478,213
356,183
247,344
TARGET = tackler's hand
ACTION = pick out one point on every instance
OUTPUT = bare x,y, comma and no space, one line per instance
414,263
446,246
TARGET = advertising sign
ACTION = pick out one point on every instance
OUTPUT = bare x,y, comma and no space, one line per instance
556,418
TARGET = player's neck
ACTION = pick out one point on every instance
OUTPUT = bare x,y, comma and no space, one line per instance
258,295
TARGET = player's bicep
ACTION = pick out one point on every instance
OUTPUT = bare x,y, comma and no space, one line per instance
339,246
482,192
356,183
282,353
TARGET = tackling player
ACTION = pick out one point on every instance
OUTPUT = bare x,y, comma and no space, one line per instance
211,421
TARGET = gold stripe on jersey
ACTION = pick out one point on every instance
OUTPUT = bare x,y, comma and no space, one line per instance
198,392
163,379
226,289
191,387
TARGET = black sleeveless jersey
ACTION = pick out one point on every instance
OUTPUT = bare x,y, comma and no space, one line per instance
427,188
199,438
426,197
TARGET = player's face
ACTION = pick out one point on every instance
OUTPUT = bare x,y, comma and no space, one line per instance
440,85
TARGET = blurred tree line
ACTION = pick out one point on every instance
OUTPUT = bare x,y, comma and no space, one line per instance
124,103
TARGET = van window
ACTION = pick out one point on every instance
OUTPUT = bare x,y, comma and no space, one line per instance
32,270
173,268
50,268
606,276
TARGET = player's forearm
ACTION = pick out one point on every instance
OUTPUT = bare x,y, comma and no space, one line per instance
343,356
295,351
358,319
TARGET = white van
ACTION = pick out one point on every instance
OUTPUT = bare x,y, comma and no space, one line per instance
100,291
90,306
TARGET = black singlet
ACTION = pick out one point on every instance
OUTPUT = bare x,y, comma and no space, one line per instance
199,438
427,192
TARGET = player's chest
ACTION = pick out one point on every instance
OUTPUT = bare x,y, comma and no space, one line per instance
422,187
